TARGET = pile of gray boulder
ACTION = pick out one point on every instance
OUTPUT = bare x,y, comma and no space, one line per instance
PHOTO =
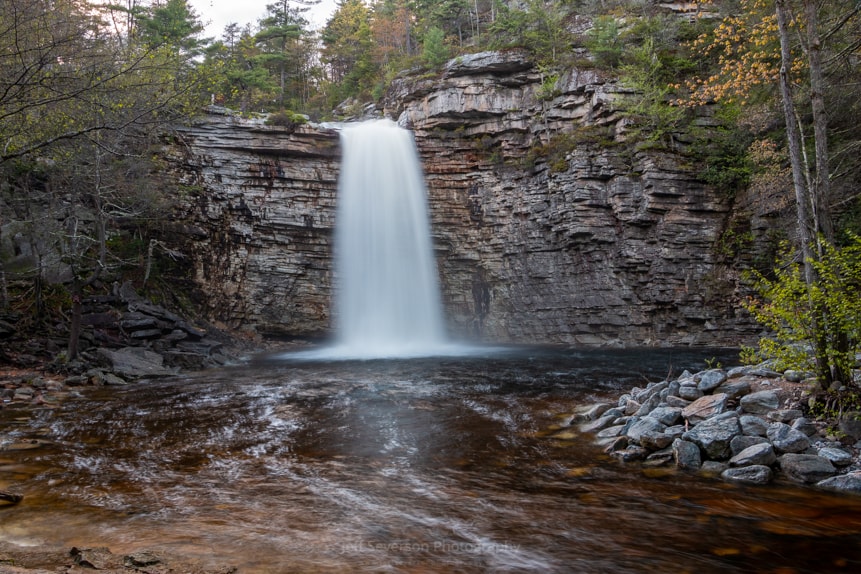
741,424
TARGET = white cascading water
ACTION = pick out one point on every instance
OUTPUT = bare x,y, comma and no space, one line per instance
387,293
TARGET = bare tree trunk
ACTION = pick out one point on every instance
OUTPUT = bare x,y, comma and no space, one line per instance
806,226
822,178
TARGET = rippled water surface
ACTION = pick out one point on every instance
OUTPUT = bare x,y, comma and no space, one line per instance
434,465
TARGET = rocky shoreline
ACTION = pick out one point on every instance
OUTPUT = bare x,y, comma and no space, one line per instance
746,425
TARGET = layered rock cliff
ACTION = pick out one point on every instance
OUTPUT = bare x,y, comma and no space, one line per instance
548,225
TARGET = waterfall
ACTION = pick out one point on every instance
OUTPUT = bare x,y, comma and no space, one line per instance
387,301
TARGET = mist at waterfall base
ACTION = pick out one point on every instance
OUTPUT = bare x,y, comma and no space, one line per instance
387,299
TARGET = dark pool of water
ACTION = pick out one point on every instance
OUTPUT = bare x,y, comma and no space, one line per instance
433,465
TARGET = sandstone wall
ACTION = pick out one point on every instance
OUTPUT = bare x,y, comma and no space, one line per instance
549,226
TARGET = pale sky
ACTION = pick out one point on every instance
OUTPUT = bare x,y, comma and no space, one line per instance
216,14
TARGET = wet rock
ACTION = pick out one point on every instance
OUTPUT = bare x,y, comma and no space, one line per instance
620,443
598,425
786,439
837,456
755,474
849,482
806,468
742,442
704,408
711,380
714,435
758,454
713,468
753,426
663,457
596,411
761,402
655,440
686,454
610,432
632,453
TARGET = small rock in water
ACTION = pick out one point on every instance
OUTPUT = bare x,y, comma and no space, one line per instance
849,482
597,410
686,455
755,474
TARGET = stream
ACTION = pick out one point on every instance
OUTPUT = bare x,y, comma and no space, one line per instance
446,464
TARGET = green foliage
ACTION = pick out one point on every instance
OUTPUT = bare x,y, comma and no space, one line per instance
286,118
604,42
816,327
434,52
540,28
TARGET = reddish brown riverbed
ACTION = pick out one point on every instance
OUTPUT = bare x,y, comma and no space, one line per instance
436,465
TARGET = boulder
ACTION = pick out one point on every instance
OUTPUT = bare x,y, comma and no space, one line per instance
666,415
714,435
753,425
849,482
758,454
645,424
597,410
806,468
689,391
837,456
705,408
755,474
648,406
759,403
787,439
686,455
742,442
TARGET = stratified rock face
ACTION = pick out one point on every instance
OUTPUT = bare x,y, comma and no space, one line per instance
549,227
258,218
